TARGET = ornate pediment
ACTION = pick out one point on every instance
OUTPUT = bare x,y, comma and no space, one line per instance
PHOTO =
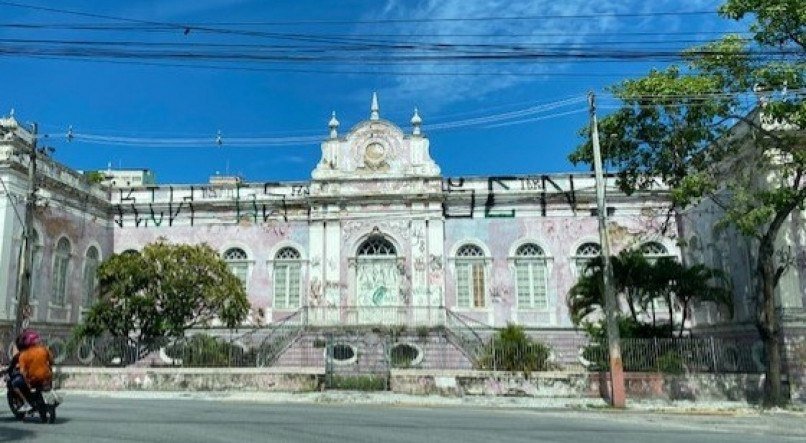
377,149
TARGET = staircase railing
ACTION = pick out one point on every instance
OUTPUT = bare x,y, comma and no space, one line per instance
460,331
280,336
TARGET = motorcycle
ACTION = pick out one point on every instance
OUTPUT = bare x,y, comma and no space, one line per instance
45,401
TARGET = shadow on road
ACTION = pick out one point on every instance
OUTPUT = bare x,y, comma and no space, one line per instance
13,434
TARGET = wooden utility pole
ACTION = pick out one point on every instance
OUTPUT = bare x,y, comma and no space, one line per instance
617,392
26,254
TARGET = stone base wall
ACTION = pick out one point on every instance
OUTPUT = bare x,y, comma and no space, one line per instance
189,379
644,386
695,387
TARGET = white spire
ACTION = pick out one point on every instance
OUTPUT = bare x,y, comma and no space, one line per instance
333,124
374,113
416,121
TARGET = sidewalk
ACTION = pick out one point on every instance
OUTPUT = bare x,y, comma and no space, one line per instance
392,399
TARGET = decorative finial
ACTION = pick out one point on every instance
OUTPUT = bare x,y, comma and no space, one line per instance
333,124
11,114
374,109
416,121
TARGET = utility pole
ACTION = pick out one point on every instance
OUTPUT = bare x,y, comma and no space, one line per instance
617,392
26,254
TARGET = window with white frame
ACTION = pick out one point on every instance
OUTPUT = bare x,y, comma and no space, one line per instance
470,281
584,254
531,276
653,251
287,265
61,265
91,262
238,263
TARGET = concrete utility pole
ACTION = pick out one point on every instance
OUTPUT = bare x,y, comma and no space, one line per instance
26,258
617,393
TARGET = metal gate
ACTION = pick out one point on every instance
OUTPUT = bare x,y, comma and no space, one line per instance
357,361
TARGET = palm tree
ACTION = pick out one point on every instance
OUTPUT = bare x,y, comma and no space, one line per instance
639,283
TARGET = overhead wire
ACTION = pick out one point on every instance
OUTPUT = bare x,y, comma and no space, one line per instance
510,116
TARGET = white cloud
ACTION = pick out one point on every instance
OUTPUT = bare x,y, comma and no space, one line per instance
443,90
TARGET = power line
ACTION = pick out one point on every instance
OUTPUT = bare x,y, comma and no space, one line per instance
510,117
553,74
106,27
371,21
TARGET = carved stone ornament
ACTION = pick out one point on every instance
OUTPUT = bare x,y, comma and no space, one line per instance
375,156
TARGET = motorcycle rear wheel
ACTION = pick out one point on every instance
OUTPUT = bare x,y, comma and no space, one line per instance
15,403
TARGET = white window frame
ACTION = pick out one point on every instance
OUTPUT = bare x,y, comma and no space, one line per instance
234,263
531,261
472,263
283,301
581,258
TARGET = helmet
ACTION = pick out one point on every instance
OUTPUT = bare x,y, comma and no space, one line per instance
30,337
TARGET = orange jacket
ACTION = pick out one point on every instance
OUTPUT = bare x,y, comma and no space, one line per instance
35,365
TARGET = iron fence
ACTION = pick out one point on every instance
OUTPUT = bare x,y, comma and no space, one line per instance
679,355
456,344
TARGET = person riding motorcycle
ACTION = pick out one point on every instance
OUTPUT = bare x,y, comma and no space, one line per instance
31,366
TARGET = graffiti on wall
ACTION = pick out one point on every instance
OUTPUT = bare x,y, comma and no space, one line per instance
256,206
154,207
460,199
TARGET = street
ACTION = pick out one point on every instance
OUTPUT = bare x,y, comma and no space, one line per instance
86,419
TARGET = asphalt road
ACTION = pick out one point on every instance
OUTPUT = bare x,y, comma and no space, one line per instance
85,419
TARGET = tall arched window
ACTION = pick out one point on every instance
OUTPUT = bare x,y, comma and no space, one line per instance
654,251
584,254
61,265
91,262
238,263
36,265
287,264
470,281
531,269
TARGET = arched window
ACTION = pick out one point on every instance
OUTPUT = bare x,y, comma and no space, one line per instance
61,265
376,245
287,264
238,263
654,251
531,269
36,265
584,254
470,281
91,262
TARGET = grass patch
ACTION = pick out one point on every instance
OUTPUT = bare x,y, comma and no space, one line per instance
358,382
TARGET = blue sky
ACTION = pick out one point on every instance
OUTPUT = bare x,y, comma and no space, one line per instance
145,108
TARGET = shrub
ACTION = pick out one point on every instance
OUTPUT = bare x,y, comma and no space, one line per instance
512,350
203,350
670,363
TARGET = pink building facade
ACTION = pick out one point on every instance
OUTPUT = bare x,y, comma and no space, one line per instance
377,236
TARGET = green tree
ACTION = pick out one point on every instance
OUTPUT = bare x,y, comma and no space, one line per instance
676,125
95,176
640,283
163,291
